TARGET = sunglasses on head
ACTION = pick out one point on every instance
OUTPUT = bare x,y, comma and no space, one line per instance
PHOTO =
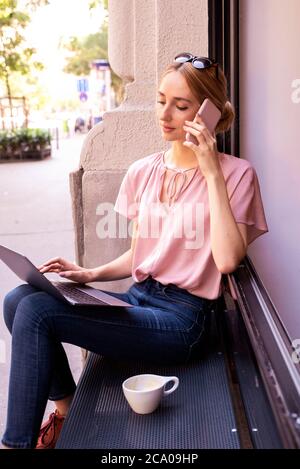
198,62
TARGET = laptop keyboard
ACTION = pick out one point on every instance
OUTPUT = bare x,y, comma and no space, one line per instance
80,297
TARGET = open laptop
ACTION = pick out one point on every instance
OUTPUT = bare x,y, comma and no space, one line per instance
76,294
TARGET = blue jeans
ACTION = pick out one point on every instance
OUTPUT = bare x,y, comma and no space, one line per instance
165,325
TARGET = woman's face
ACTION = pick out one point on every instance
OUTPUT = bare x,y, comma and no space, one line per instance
175,104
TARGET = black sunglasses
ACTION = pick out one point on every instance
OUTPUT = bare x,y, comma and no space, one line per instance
198,62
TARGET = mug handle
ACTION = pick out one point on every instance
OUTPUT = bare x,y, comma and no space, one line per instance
175,385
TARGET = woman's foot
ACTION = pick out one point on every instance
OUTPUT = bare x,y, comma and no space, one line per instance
50,431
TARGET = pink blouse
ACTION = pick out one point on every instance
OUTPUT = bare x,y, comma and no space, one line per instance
173,243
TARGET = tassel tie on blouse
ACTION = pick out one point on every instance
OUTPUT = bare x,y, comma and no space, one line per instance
172,193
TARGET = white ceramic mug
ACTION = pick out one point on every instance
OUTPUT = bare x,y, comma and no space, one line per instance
144,392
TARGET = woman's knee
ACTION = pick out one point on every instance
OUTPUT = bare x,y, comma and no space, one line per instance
36,310
11,301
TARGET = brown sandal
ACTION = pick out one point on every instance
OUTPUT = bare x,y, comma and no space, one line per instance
50,431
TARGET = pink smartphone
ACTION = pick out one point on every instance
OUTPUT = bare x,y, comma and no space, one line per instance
210,115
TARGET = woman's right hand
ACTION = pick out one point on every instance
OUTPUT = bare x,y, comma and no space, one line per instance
66,269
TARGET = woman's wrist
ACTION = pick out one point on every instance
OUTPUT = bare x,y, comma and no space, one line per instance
215,177
95,274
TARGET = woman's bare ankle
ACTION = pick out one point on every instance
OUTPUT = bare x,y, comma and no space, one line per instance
63,405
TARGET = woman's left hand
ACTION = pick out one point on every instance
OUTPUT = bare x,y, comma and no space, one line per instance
206,152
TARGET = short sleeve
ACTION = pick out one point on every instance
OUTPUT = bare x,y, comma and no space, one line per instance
126,203
246,205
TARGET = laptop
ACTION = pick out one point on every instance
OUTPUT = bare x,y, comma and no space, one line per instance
76,294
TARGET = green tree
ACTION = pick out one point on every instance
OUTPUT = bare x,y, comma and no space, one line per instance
84,51
15,55
95,3
92,47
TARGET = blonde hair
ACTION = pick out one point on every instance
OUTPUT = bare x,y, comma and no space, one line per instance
205,84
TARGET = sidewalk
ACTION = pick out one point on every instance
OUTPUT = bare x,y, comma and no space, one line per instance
36,220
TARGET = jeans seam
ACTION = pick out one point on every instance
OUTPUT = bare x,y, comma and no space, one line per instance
123,324
194,322
197,339
37,375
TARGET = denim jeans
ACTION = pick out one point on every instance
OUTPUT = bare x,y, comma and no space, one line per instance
164,326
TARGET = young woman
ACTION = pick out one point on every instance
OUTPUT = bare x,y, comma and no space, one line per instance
194,212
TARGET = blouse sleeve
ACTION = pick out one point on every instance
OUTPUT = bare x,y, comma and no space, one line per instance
126,203
247,206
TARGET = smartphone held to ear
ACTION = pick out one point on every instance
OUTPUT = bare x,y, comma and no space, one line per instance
210,115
